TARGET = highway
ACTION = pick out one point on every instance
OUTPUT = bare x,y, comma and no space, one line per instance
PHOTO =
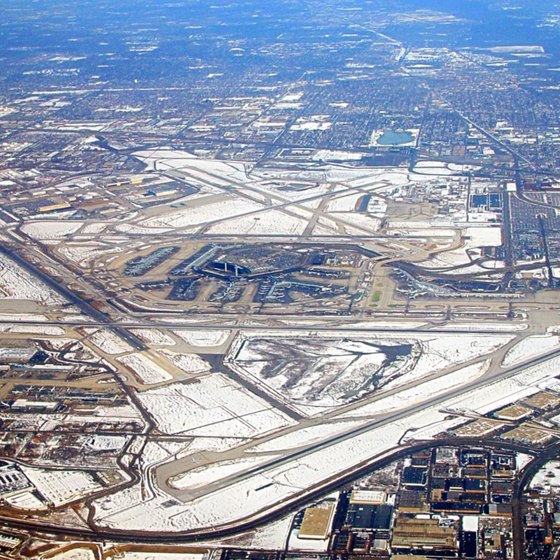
96,534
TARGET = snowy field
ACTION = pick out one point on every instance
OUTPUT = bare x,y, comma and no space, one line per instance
269,222
216,471
264,489
74,554
189,363
203,338
211,406
32,329
204,213
85,254
419,393
472,238
531,347
346,203
306,436
153,337
50,229
17,283
107,341
548,478
145,369
327,372
61,487
128,555
166,158
504,392
261,490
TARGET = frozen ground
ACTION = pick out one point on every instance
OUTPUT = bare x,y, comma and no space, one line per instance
17,283
145,369
269,222
531,347
327,372
61,487
203,338
211,406
216,471
189,363
51,229
154,337
107,341
204,213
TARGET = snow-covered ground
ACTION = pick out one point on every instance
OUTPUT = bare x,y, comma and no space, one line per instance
328,372
345,203
33,329
531,347
166,158
107,341
361,221
508,390
145,369
50,422
75,554
270,222
189,363
548,478
202,338
129,555
61,487
203,213
84,254
51,229
263,489
473,238
419,393
153,337
247,496
206,474
306,436
106,443
211,406
17,283
273,536
336,155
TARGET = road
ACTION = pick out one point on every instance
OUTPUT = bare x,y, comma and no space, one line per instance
523,481
255,521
